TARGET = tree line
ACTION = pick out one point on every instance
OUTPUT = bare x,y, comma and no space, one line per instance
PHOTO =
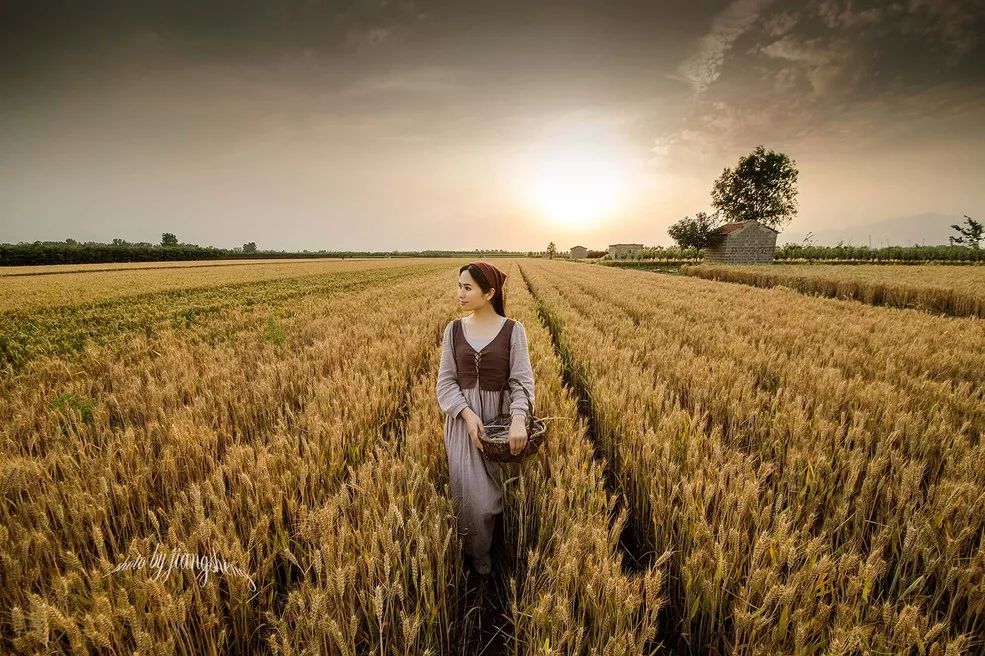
810,253
71,251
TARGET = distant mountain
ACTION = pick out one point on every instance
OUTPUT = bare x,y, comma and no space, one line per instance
928,229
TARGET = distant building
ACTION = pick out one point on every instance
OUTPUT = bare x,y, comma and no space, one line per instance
579,252
743,242
619,251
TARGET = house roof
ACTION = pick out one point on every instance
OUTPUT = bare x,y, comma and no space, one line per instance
735,225
578,247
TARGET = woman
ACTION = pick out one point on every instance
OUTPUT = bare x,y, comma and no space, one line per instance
480,354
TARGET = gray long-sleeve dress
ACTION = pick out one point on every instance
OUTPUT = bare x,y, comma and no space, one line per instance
476,483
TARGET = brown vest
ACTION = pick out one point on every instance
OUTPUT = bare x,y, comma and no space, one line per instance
490,365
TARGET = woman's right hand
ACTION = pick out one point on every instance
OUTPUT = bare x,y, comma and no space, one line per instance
474,426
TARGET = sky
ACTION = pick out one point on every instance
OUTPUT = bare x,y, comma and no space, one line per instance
388,125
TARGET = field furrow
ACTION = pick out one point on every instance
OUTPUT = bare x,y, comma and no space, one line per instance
573,590
720,493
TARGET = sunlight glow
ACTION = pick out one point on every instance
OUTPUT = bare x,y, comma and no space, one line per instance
576,179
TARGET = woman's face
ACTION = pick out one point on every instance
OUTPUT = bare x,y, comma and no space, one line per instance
470,295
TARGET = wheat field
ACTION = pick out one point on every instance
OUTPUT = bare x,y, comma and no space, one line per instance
954,290
727,469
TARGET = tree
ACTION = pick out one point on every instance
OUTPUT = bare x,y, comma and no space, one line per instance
551,249
250,247
970,236
761,187
698,232
168,239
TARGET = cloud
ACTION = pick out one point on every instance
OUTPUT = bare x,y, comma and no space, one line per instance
837,14
821,62
781,23
792,49
956,23
824,71
704,66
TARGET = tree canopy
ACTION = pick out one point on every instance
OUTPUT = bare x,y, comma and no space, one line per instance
762,186
697,232
970,236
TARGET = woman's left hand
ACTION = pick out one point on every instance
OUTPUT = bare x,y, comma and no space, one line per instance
518,435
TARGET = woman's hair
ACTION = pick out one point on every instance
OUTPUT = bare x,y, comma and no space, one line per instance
498,300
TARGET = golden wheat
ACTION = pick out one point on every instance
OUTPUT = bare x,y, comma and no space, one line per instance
804,474
734,427
200,446
941,289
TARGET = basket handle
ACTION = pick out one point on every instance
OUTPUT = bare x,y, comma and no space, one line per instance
530,406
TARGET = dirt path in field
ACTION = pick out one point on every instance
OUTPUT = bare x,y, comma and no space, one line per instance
488,630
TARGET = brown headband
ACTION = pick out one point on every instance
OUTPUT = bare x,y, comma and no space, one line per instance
494,276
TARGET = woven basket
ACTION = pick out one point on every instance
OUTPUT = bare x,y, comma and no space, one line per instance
496,443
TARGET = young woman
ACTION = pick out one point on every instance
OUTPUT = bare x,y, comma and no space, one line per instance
480,354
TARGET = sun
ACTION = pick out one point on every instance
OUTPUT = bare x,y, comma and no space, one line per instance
576,181
577,193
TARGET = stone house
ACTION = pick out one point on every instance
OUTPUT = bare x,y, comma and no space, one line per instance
618,251
743,242
579,252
